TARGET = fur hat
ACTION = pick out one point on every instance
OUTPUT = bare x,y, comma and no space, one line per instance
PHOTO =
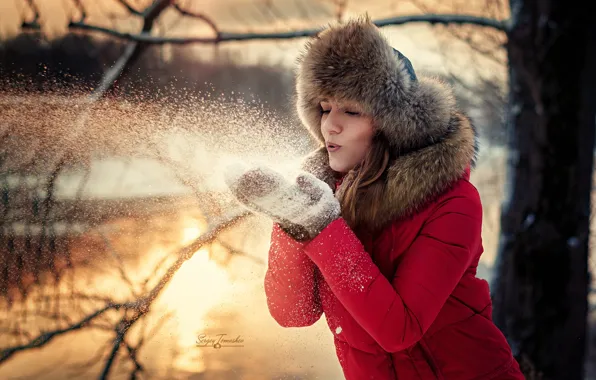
434,143
355,62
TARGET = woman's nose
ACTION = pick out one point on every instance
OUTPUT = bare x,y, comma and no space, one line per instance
332,124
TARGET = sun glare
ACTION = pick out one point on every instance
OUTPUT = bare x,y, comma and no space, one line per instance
197,287
190,233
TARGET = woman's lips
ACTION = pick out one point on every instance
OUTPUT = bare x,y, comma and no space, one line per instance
333,147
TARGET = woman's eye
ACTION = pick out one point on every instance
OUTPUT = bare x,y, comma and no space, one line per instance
325,111
353,113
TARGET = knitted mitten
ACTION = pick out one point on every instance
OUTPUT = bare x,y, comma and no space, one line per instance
303,207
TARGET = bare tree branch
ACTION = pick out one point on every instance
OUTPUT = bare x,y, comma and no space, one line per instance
115,71
84,366
131,52
34,24
140,306
188,251
16,332
121,329
236,252
48,203
79,5
120,263
130,8
147,38
45,338
152,12
183,255
480,48
132,354
460,19
199,16
151,275
80,296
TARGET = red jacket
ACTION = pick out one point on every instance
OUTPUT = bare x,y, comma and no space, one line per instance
405,304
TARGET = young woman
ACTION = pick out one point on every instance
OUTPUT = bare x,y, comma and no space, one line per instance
382,229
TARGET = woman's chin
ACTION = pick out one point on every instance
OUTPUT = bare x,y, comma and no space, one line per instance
338,166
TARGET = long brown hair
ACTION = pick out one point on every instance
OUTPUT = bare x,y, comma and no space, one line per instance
366,180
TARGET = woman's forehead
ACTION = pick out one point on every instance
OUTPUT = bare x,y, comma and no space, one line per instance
340,102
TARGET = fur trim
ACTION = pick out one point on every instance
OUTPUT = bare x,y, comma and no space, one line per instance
317,163
413,179
355,62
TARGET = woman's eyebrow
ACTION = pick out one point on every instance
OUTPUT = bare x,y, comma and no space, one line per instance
351,105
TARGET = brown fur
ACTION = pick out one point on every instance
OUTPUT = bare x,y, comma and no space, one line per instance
317,163
432,142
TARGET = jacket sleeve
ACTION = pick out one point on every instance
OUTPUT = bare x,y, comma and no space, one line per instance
291,286
397,313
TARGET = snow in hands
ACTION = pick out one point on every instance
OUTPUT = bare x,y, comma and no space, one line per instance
303,200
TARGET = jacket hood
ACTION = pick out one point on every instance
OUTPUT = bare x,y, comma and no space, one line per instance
433,141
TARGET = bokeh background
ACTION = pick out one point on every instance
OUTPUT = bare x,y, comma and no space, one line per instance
115,248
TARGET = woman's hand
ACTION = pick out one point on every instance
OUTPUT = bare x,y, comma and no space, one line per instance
304,206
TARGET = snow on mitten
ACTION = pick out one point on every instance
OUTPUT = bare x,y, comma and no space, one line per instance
304,206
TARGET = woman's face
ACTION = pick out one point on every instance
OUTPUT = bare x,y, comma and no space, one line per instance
348,133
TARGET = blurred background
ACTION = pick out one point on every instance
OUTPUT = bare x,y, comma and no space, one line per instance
119,246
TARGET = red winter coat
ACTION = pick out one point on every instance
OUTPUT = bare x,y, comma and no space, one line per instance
405,304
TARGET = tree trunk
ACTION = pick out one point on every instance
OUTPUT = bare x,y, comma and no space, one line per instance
541,281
